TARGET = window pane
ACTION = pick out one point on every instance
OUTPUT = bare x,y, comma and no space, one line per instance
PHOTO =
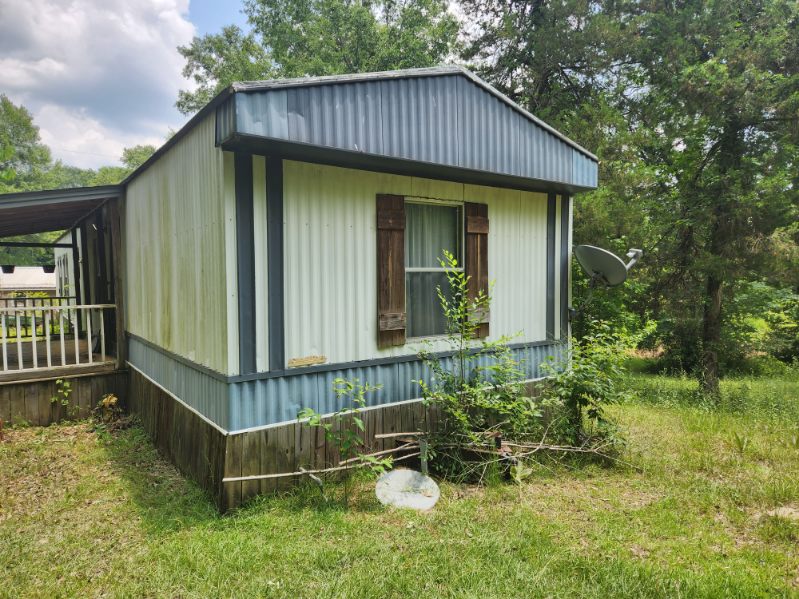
423,306
429,230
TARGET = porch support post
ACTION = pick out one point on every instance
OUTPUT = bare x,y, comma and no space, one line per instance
75,266
565,266
550,318
84,270
275,280
115,210
245,250
102,271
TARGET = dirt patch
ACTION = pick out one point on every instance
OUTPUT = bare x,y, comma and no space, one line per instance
789,512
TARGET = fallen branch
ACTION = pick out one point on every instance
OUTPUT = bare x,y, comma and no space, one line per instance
236,479
379,453
502,453
394,435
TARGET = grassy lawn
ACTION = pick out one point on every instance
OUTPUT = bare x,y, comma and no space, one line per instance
84,515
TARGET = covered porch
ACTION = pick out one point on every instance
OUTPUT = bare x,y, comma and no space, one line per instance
80,330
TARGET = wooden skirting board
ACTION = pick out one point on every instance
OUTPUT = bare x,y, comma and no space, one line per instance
200,450
206,454
189,441
295,446
31,402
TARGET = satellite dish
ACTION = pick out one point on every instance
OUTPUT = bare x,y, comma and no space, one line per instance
604,266
408,489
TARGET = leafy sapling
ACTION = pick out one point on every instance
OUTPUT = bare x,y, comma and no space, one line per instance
479,391
345,429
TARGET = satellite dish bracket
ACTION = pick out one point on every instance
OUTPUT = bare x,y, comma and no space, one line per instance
635,255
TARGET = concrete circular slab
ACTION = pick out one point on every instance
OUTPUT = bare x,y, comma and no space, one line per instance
407,489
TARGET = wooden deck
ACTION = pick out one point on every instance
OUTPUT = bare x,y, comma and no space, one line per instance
74,362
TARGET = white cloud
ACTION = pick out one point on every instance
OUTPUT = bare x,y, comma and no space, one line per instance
80,140
98,75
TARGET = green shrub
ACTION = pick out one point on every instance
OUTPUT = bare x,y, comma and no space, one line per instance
479,392
588,378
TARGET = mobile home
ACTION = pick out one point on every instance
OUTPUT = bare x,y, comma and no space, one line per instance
289,234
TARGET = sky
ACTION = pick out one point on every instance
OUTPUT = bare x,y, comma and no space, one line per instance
102,75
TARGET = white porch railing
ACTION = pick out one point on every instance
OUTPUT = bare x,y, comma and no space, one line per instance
37,337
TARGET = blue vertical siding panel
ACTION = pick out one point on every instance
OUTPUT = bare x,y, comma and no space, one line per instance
585,170
272,401
300,118
195,388
341,116
225,120
263,114
419,119
236,406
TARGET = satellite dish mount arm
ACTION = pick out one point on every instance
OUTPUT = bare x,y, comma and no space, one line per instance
634,255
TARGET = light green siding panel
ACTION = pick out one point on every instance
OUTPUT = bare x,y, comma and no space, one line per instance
231,264
516,260
261,279
330,269
175,251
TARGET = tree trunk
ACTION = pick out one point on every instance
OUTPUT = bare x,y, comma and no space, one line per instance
721,236
711,336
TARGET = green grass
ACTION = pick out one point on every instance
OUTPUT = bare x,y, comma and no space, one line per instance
82,515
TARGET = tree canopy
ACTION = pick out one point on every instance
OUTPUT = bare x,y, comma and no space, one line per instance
693,109
295,38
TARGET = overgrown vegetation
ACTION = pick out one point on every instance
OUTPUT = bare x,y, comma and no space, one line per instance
586,381
694,516
488,420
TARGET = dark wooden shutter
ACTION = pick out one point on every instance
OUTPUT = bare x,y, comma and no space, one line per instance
391,314
476,256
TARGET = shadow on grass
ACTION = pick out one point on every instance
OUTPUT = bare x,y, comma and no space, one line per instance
164,498
168,501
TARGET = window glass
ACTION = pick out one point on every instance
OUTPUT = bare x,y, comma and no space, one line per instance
429,230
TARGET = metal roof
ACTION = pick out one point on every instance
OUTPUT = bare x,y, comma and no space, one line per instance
533,145
436,117
50,210
247,86
27,278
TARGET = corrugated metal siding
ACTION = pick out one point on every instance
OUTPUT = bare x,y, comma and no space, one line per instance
585,171
419,117
488,132
339,116
225,120
447,120
330,293
236,406
271,401
176,243
329,245
261,262
199,390
263,114
516,260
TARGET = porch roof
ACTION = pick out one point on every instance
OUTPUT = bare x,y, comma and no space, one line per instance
50,210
